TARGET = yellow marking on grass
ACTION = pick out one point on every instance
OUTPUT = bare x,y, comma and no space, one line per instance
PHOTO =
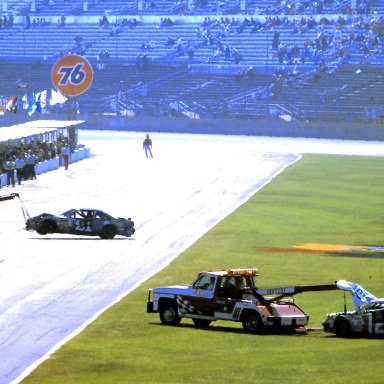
329,247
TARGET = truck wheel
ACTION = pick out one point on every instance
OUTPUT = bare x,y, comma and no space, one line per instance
252,322
108,232
169,315
342,328
201,323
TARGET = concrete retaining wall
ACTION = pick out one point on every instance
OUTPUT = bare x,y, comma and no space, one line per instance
279,128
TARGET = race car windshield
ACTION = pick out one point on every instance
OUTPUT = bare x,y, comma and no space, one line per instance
371,306
66,213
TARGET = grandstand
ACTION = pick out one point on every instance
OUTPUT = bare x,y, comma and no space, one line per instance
243,59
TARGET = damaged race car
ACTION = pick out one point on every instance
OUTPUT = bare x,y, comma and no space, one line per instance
86,222
366,319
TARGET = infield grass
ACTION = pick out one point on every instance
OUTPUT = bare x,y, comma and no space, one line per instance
320,199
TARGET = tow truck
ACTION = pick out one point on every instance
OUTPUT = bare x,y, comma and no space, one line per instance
231,295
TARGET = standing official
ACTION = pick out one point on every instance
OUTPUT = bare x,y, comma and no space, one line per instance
10,168
66,152
34,161
147,146
20,164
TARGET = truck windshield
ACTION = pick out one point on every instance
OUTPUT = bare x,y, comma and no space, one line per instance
206,283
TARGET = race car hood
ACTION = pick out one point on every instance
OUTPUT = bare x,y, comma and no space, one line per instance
333,315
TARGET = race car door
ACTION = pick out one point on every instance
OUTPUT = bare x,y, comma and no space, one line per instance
373,318
378,321
82,222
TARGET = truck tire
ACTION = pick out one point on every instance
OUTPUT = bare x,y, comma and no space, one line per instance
201,323
169,314
251,322
48,226
108,231
342,327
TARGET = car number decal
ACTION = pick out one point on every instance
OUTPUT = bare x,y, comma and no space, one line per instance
379,328
83,226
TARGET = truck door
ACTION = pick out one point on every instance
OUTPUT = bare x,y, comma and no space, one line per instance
229,292
202,300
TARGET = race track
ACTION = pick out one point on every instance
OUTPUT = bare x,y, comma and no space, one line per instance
53,286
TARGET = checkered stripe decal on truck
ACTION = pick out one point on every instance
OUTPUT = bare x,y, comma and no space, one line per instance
185,306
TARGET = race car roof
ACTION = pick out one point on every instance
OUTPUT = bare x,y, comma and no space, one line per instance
35,127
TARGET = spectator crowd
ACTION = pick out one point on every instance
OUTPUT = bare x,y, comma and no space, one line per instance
20,160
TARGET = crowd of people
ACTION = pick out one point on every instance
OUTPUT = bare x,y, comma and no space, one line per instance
341,36
286,7
18,162
279,7
356,30
364,31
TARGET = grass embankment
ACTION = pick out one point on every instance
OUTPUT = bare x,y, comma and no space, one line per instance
321,199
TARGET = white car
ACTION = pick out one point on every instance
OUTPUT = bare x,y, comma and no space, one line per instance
367,320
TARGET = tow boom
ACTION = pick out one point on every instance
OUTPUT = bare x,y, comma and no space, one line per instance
280,292
12,196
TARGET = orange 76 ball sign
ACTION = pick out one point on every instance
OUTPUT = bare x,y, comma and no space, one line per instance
72,75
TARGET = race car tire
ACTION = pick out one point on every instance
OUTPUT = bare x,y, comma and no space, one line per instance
201,323
129,232
29,225
342,328
169,314
251,322
108,232
48,226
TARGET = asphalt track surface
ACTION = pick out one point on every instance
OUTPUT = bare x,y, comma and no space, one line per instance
53,286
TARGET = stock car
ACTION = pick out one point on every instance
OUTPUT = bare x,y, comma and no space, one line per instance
88,222
367,320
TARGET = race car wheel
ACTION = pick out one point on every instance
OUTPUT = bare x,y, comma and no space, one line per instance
108,232
342,328
48,226
251,322
29,225
129,232
201,323
169,315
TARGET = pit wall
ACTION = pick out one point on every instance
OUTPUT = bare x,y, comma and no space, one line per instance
274,128
50,165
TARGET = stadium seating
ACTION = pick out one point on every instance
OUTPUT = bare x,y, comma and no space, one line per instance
142,66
